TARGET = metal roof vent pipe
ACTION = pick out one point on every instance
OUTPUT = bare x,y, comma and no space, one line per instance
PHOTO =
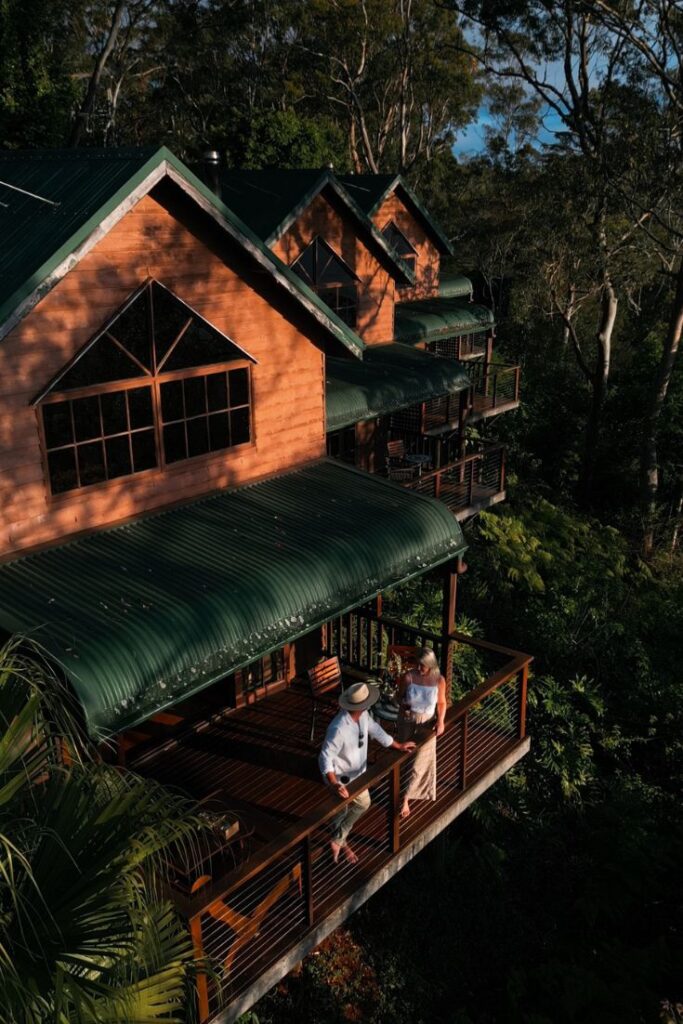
211,170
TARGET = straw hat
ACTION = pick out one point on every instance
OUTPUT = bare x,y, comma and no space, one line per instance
359,697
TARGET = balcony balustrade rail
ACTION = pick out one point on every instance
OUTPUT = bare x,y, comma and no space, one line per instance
495,386
250,918
466,484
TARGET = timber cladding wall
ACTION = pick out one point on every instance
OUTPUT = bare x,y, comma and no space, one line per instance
376,288
428,257
165,239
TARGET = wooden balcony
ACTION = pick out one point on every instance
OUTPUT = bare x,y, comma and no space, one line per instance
495,389
463,347
257,907
467,485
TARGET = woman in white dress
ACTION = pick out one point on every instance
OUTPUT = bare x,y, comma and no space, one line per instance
422,693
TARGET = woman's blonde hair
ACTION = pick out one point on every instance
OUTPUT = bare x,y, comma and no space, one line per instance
428,658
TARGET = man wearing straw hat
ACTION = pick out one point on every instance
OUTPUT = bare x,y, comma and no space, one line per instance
344,757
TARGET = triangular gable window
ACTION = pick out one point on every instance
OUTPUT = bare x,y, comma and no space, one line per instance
398,241
133,399
155,332
330,278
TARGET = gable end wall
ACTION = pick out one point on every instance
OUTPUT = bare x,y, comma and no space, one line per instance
287,383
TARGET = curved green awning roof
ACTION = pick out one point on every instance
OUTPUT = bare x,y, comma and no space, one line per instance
454,286
142,615
431,319
390,377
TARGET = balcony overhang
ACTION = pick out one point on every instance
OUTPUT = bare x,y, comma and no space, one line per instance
143,615
433,319
389,378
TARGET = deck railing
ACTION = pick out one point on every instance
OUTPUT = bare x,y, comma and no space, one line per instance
466,484
464,346
247,920
495,385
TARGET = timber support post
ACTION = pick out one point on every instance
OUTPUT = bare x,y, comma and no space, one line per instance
449,596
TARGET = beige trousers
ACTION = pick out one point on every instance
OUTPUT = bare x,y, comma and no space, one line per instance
344,822
422,781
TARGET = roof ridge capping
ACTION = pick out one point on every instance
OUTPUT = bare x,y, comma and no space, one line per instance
108,208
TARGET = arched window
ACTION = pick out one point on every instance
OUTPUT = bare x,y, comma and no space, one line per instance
330,278
157,385
398,241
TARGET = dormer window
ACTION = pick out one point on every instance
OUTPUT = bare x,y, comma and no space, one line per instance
157,385
330,278
400,244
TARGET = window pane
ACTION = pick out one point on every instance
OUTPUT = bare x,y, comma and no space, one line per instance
144,450
217,391
172,407
174,442
239,426
87,418
114,418
102,364
239,387
200,346
132,329
62,470
170,316
118,457
140,407
91,463
197,437
219,431
57,424
195,397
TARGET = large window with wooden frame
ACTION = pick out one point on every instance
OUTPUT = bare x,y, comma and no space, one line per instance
157,385
330,278
400,244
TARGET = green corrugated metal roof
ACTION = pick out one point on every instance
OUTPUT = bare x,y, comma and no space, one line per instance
438,318
370,190
454,286
89,184
270,201
389,378
141,615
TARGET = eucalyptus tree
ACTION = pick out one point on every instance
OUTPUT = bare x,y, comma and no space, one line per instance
575,67
395,73
651,32
85,935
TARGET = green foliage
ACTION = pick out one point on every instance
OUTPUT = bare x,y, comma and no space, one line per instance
84,934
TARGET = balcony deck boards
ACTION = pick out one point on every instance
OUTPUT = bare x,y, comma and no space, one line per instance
260,904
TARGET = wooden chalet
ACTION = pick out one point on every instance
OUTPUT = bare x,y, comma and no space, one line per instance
175,536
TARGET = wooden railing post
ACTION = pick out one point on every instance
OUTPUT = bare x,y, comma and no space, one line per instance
308,880
524,683
465,724
394,806
470,484
494,398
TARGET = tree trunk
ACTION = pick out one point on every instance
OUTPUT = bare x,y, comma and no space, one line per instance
88,105
608,315
649,467
571,297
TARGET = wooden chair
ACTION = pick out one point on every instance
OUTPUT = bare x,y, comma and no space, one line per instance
324,679
397,468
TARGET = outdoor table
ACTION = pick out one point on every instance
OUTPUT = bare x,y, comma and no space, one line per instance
420,460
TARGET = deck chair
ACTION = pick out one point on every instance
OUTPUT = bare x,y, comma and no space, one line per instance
324,679
397,468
